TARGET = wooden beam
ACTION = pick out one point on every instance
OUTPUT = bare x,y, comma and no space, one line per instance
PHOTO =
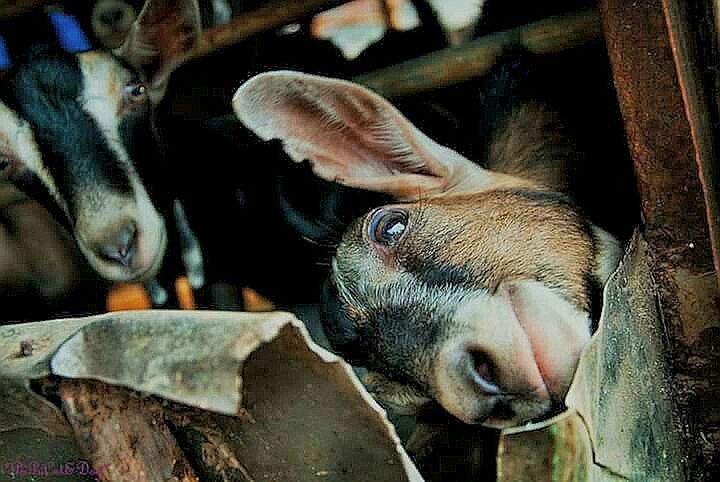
453,65
265,18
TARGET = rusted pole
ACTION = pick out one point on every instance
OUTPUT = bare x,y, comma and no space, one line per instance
124,437
657,86
260,20
453,65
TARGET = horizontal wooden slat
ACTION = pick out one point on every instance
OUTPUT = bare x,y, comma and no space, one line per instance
453,65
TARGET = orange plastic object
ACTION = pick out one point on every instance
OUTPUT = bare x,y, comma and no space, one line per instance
254,301
184,293
124,297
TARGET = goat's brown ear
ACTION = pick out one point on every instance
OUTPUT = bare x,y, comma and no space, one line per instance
161,38
353,136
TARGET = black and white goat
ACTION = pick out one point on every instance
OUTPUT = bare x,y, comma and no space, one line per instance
78,135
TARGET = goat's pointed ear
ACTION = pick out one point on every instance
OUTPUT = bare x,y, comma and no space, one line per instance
353,136
161,38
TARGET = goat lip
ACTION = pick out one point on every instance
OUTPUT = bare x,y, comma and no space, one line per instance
154,266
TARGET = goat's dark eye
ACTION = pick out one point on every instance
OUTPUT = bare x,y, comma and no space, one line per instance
4,164
135,93
387,226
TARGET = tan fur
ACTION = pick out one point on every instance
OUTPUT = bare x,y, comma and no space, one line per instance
507,237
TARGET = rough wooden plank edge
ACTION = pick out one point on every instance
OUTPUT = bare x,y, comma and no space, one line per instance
124,436
454,65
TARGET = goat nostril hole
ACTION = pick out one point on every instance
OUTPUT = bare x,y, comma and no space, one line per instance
482,367
484,370
122,249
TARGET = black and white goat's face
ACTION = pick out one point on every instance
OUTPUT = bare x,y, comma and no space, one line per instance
76,132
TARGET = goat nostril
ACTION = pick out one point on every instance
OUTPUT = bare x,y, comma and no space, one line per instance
483,371
122,249
111,17
482,366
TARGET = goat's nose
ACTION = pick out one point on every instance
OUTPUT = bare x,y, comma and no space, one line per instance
120,247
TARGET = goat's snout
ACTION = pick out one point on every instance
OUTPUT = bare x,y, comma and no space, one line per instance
476,389
121,245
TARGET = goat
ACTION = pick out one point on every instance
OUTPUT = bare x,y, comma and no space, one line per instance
78,135
478,287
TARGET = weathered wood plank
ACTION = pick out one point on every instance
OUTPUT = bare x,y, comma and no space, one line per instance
124,436
453,65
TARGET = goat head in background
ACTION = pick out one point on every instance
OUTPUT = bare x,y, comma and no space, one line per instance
475,289
77,134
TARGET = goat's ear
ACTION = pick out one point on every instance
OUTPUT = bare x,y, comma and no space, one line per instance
353,136
161,38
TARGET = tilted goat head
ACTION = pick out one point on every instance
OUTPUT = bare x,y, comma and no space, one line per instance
475,288
77,132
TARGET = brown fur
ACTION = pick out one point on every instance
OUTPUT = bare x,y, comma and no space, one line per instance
532,144
507,238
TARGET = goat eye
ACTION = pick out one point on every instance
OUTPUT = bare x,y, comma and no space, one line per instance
135,93
387,226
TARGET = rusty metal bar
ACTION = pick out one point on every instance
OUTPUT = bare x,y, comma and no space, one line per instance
260,20
453,65
691,68
657,88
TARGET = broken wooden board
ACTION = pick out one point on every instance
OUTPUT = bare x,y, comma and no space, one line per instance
241,396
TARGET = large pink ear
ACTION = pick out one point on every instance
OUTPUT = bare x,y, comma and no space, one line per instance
161,38
352,136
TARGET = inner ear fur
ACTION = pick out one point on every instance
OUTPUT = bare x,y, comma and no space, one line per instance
353,136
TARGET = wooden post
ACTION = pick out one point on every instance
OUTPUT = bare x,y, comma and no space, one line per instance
473,59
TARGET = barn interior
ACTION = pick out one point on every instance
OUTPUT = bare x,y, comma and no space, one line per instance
267,227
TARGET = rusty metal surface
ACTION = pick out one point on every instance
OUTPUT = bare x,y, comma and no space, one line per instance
246,396
661,130
454,65
695,46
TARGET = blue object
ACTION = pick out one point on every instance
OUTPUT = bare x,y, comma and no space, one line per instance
5,62
71,37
